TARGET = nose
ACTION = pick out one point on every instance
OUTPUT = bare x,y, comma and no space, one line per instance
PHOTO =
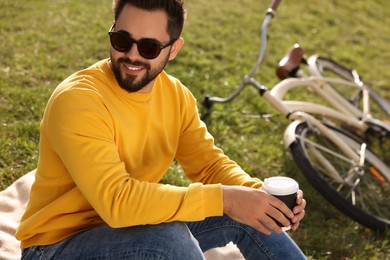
133,51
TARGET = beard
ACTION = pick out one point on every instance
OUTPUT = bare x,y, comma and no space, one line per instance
130,82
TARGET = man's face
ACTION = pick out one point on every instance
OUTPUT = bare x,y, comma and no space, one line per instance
132,71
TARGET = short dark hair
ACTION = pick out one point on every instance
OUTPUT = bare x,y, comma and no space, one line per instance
174,9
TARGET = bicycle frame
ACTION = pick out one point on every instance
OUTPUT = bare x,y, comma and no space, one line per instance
316,64
345,112
299,111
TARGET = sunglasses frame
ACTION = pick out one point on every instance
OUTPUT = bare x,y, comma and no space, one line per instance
138,43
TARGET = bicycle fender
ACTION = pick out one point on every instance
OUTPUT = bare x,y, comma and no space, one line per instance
289,134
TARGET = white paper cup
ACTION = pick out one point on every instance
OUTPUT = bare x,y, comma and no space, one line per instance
283,188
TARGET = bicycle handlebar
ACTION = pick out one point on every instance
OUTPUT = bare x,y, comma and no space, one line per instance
273,6
248,79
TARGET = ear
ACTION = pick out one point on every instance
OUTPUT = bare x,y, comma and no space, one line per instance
176,46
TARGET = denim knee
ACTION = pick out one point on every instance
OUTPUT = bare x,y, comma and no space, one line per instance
178,241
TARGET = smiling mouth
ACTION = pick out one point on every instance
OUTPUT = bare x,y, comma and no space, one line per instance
132,68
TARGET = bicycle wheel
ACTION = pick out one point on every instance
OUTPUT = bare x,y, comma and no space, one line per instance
323,67
363,196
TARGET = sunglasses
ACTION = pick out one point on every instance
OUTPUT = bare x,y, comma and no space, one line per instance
147,48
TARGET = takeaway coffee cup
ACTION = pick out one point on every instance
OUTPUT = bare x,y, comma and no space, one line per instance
283,188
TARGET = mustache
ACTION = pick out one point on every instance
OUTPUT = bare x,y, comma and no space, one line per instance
135,62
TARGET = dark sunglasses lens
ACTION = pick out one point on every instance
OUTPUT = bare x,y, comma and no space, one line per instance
148,49
120,42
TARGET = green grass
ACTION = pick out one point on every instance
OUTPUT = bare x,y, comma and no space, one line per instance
42,42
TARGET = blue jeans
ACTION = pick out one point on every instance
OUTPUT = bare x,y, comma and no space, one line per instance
176,240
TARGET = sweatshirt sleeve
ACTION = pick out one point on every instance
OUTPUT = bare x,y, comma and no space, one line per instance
201,159
79,129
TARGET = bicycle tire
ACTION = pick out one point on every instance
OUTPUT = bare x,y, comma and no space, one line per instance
375,213
324,67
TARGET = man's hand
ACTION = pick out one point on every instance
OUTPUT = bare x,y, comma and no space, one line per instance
298,210
256,208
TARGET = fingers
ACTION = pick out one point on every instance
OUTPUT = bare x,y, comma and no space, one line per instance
265,219
299,211
300,206
258,209
275,213
281,207
296,220
283,214
298,217
299,197
266,226
275,210
280,216
295,226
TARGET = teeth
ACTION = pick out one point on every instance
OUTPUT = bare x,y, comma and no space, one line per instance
132,68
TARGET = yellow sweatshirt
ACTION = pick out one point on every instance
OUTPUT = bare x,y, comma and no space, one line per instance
103,152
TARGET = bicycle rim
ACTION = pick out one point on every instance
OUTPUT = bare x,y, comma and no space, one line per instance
365,197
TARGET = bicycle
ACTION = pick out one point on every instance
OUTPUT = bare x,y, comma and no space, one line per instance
341,149
329,70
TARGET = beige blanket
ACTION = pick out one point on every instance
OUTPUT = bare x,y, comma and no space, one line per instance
13,202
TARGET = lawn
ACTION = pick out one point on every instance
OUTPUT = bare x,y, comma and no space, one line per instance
42,42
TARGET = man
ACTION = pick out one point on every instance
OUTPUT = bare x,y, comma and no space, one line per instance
108,135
